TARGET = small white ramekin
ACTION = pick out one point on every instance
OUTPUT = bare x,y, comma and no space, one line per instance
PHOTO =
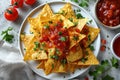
111,45
98,21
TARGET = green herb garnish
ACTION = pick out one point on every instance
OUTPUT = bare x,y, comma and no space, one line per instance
84,3
71,19
55,57
75,23
103,68
63,38
75,37
84,60
63,61
52,66
79,16
89,37
60,33
46,27
6,36
57,51
37,44
108,77
91,48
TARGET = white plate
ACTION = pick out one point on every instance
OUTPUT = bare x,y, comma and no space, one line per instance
25,28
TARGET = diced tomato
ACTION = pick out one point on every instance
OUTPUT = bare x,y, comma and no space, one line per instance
103,41
102,48
77,30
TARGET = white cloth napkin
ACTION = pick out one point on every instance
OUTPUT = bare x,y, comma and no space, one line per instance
12,67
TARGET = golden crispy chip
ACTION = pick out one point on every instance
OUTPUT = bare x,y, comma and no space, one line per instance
75,54
41,64
49,65
75,38
35,25
81,23
91,36
67,11
89,59
26,39
41,55
60,68
45,14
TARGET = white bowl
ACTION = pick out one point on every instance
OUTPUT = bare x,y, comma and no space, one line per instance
98,21
111,45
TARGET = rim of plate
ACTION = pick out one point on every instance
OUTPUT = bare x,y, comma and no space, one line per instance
41,5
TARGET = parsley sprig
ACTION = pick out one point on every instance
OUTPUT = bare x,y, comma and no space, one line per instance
105,66
6,36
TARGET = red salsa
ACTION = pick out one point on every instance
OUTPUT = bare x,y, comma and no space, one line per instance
56,35
108,12
116,46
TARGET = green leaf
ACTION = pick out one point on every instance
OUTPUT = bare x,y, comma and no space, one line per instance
76,1
84,3
114,62
107,77
46,27
6,36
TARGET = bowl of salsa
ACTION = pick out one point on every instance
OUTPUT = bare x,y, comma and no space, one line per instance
115,46
107,13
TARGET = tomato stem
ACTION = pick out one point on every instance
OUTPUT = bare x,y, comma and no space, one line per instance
9,11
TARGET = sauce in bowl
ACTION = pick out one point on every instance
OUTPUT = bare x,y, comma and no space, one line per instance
116,46
108,12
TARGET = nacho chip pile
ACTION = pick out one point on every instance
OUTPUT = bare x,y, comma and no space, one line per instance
59,42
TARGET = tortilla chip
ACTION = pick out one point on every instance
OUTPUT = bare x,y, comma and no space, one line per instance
91,59
45,14
75,41
91,36
75,54
67,11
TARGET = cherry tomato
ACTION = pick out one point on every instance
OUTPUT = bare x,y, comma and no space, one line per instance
11,14
30,2
17,3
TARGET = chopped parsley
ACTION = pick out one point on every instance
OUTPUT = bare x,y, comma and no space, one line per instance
63,61
54,57
79,16
103,69
90,21
60,33
31,32
75,23
52,66
43,44
84,3
63,38
46,27
6,36
57,51
37,44
71,19
75,37
84,59
76,1
89,37
91,48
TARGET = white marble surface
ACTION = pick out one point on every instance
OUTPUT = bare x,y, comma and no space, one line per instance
26,9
